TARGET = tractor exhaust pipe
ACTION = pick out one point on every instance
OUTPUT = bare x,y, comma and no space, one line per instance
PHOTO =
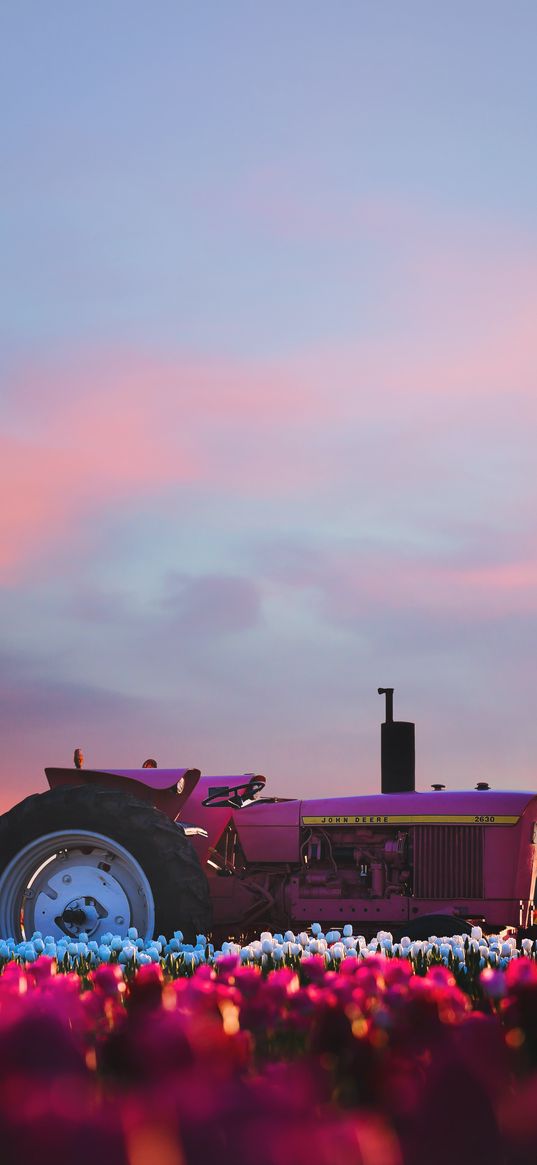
397,751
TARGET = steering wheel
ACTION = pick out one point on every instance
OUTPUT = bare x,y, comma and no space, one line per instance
234,795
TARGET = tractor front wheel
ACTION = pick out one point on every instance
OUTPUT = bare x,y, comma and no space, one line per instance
426,925
87,860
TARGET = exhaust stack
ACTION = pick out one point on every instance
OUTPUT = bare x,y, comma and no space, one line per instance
397,751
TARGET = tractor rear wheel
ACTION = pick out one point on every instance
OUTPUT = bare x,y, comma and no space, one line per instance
96,861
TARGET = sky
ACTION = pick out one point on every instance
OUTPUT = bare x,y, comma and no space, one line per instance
268,398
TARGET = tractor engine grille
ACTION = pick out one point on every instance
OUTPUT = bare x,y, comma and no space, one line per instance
448,861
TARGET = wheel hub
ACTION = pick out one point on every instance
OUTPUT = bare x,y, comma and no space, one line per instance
79,899
72,883
81,916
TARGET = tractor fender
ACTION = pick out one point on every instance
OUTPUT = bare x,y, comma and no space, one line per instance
166,789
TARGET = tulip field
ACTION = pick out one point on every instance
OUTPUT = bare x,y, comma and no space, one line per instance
313,1047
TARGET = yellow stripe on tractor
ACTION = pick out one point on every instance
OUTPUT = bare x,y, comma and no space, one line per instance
413,819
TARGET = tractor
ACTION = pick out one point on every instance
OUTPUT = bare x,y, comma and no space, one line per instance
165,850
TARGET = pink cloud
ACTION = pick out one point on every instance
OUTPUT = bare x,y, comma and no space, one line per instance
356,584
80,438
391,417
476,576
90,450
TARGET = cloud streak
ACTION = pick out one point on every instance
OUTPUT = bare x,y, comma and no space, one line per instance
87,435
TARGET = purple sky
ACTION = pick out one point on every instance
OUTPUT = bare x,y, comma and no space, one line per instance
269,406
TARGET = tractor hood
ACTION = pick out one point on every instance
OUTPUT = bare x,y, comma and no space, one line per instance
415,808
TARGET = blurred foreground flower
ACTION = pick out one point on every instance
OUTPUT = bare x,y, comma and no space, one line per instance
360,1051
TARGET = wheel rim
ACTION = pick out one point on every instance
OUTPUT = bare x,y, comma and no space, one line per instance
71,883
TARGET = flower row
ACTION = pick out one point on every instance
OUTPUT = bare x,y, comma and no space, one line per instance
466,953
